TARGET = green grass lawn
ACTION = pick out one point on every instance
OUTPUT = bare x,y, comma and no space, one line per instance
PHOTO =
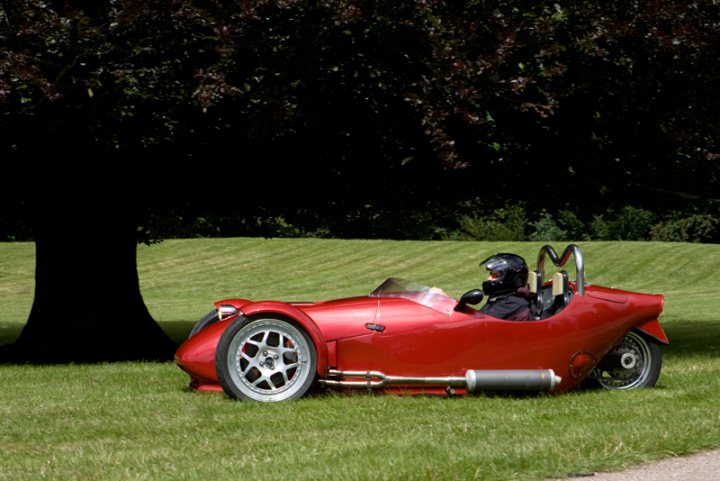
138,421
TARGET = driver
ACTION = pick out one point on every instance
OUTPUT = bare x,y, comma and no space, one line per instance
508,298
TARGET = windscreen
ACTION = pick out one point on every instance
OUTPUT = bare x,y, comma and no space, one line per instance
431,297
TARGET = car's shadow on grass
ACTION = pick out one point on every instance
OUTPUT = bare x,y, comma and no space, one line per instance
693,338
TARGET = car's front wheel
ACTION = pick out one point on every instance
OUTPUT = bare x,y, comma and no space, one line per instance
635,361
265,358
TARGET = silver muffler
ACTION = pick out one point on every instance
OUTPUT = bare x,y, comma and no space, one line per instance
473,381
512,380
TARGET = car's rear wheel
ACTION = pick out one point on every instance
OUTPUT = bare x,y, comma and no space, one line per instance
265,358
635,361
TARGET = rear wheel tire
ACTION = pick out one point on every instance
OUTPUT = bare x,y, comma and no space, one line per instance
634,362
265,358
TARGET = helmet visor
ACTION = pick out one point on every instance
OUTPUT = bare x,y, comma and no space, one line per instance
496,263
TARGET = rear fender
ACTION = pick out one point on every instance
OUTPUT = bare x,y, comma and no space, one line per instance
654,330
299,316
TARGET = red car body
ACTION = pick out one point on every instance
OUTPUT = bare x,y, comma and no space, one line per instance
405,338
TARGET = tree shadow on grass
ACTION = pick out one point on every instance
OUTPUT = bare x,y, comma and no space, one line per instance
9,332
178,331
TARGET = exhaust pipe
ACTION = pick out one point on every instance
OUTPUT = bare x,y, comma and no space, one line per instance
512,380
473,381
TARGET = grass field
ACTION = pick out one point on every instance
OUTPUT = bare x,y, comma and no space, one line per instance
138,421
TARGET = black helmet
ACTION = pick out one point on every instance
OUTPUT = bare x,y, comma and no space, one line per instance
510,271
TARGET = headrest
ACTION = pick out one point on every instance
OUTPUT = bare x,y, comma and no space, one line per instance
559,283
532,282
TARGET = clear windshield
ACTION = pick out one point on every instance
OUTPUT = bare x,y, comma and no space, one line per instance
432,297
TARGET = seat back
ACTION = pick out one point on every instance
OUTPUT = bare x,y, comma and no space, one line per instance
548,300
559,284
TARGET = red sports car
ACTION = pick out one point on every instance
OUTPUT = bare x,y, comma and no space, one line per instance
408,338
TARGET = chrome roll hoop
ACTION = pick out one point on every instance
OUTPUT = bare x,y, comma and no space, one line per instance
560,261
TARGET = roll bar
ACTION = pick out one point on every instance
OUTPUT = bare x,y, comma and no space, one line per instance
560,261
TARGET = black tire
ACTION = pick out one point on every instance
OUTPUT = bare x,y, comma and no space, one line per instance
209,318
634,362
265,358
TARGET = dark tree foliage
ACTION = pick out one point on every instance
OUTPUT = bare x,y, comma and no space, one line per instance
614,99
359,110
347,118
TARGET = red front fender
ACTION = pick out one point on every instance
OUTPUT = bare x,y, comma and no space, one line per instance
265,307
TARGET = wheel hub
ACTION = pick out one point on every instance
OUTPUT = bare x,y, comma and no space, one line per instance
628,360
269,361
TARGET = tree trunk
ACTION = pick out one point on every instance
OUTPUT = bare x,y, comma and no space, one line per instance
87,305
